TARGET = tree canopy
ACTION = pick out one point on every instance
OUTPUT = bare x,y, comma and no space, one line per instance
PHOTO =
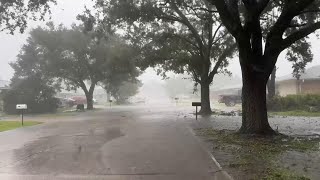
79,58
177,36
31,84
14,14
122,90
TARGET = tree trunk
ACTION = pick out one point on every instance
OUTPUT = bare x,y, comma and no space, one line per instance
254,108
89,97
88,93
272,84
205,99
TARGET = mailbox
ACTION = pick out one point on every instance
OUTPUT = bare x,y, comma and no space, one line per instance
196,103
21,106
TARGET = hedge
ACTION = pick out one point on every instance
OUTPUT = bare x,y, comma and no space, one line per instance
295,102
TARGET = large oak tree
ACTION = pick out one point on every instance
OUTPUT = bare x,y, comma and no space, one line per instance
258,51
174,35
82,60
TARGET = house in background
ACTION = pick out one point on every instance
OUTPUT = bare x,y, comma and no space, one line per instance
4,85
309,83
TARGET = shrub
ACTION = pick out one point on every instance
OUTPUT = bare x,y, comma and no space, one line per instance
32,91
12,98
295,102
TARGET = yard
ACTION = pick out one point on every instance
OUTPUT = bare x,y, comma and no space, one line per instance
9,125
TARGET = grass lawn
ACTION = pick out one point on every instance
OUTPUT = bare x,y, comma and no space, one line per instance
9,125
296,113
261,158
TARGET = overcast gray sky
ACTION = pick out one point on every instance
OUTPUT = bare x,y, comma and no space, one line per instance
67,10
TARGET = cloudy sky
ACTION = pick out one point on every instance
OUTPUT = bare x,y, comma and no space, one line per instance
67,10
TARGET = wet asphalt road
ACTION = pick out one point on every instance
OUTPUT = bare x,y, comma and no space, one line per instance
112,144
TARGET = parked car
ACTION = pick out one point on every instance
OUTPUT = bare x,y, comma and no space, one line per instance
231,99
79,100
66,102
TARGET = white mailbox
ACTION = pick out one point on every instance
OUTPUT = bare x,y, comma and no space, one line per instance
21,106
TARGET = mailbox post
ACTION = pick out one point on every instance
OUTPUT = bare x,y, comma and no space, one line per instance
21,107
176,99
196,104
110,101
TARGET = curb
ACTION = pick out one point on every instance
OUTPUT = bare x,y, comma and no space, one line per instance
220,174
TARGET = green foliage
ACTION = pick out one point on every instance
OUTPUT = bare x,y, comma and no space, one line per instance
184,37
78,57
299,113
309,103
261,41
14,14
9,125
257,155
124,90
176,36
283,174
31,83
34,92
300,55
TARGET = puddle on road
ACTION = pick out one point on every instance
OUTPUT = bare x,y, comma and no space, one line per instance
113,133
77,153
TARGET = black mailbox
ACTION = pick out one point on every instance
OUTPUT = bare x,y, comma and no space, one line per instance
196,103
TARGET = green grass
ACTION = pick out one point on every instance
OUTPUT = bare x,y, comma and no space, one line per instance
296,113
258,155
283,174
9,125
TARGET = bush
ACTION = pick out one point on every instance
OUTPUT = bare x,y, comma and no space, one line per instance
11,99
295,102
32,91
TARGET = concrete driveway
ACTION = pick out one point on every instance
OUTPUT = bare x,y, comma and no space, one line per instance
125,143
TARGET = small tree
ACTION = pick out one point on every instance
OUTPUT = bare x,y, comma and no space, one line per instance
299,54
124,91
30,84
33,91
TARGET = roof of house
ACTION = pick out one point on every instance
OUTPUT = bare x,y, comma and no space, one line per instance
310,73
4,84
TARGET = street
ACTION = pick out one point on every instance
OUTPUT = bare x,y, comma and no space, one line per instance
117,143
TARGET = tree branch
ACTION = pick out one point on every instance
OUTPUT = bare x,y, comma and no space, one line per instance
227,52
216,32
83,86
187,23
310,11
187,40
262,5
290,10
229,16
195,76
303,32
221,37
